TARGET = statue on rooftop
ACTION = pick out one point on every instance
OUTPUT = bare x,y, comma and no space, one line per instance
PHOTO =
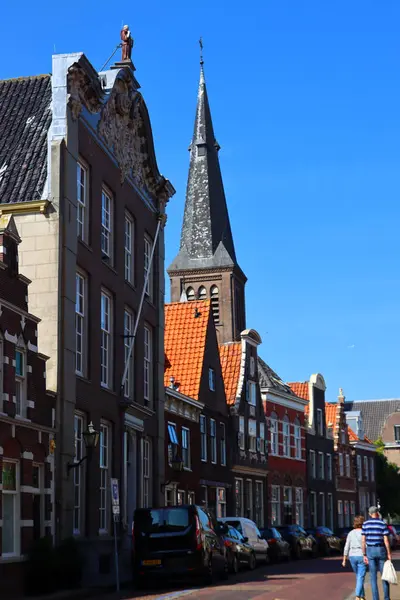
127,43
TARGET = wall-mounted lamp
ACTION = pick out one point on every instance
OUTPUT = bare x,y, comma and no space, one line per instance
91,438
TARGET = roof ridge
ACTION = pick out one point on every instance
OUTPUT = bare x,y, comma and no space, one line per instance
26,77
188,303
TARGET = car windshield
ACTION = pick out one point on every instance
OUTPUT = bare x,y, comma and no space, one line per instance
161,520
236,525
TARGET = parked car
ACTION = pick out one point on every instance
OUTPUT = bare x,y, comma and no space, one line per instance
327,541
177,541
250,530
300,541
239,551
342,534
394,536
278,548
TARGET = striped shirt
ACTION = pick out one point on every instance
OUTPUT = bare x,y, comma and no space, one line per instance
374,530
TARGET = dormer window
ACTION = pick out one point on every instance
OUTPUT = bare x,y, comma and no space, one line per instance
251,393
211,379
252,366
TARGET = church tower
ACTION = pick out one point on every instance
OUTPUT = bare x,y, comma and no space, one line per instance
206,265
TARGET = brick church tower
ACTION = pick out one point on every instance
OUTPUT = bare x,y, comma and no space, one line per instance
206,266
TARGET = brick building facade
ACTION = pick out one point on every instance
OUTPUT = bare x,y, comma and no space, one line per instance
287,457
26,421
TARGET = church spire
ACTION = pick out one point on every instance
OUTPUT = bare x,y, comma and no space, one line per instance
206,237
206,265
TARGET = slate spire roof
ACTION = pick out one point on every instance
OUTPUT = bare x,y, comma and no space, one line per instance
25,119
206,237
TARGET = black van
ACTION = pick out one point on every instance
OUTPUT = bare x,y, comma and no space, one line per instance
177,541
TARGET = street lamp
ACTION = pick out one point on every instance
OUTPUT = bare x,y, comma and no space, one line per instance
91,438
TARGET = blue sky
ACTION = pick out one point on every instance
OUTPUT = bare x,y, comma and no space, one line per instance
305,98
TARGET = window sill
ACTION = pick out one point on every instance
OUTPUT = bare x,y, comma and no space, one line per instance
109,266
12,558
188,469
83,378
85,244
23,419
105,534
203,460
131,285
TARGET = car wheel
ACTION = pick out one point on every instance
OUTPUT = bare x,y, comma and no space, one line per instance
252,562
235,565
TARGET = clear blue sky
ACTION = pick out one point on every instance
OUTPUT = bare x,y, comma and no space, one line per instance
305,98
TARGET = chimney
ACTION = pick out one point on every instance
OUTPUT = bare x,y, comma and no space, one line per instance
9,240
341,397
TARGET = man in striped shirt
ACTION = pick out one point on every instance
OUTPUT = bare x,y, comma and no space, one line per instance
376,549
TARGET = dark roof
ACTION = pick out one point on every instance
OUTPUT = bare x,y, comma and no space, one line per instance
269,379
206,236
374,414
25,118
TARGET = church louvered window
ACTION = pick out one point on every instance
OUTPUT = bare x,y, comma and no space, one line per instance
190,294
215,303
202,293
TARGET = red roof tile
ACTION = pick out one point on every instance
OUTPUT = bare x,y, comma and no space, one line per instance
185,340
353,437
300,388
230,355
330,414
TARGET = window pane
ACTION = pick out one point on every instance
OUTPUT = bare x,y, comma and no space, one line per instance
8,537
19,364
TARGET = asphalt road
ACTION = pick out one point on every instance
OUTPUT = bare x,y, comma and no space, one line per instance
312,579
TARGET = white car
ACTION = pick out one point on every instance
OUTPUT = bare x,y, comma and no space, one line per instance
250,531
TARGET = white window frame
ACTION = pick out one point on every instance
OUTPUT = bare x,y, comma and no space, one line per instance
213,441
252,393
106,340
314,512
273,425
313,464
186,458
262,438
348,469
252,425
329,467
203,438
249,508
289,502
242,441
79,476
371,464
105,443
82,197
148,364
299,506
221,502
148,244
107,224
352,510
366,469
275,505
320,423
223,444
211,379
21,382
322,504
286,436
340,513
346,506
321,466
297,440
359,468
252,366
16,510
341,464
146,473
129,249
259,493
39,491
239,506
129,321
80,323
330,509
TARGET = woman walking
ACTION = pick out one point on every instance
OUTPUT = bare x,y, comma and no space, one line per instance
353,551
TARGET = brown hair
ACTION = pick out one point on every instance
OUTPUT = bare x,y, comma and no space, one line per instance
358,521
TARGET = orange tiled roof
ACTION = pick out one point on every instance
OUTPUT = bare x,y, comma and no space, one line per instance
353,437
330,414
300,388
230,355
185,340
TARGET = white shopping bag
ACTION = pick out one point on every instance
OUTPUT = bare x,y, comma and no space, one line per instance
389,573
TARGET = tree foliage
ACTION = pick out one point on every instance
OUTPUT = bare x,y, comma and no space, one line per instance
387,481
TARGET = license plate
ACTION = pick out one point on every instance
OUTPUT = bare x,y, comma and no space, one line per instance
150,563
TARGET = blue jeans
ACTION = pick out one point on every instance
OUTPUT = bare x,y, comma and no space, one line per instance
359,568
376,559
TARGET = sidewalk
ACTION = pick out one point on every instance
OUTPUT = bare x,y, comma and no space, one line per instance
394,589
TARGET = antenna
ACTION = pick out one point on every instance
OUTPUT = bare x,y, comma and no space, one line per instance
201,50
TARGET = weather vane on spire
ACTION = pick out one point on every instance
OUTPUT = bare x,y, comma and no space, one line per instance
201,50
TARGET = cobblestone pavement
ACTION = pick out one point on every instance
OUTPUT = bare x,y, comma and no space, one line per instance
313,579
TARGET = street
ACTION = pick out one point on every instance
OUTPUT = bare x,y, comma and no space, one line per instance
303,579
